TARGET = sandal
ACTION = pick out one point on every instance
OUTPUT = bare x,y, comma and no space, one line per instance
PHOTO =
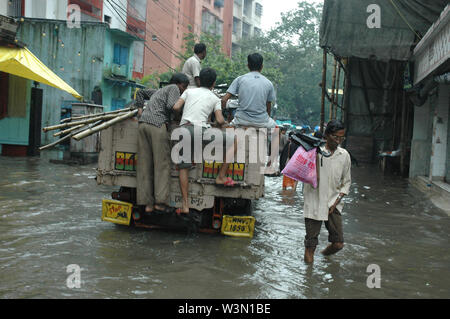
179,212
228,183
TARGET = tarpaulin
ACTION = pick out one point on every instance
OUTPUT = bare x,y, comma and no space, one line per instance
346,32
23,63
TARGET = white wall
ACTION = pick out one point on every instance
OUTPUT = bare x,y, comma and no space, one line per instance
440,127
4,8
46,9
116,21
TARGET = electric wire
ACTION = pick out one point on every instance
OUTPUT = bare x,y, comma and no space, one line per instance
404,19
145,44
163,42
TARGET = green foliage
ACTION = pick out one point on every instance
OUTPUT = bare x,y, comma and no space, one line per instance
292,61
227,68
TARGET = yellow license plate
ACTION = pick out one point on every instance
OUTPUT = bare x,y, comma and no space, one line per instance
116,212
238,226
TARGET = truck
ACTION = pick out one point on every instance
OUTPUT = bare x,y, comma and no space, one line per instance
214,209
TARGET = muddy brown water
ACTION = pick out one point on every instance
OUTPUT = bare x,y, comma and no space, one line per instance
50,218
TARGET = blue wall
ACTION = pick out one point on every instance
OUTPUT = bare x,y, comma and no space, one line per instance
75,55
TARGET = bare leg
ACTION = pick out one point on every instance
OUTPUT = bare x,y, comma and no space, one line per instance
149,208
231,153
309,254
184,185
332,249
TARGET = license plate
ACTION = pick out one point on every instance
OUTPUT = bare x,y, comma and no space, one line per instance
116,212
238,226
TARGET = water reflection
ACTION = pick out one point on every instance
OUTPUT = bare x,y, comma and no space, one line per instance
50,218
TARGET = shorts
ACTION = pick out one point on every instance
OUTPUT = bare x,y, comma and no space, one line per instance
333,225
240,122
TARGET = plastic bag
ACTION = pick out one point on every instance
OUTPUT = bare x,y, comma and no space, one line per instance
302,166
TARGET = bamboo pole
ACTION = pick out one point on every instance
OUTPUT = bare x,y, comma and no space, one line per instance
336,100
68,130
324,84
70,124
333,86
67,137
95,115
105,125
56,142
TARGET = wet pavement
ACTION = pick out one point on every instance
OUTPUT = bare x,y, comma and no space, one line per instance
50,218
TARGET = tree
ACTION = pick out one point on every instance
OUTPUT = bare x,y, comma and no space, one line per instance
292,61
293,48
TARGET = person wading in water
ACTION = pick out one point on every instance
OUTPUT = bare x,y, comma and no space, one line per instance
324,203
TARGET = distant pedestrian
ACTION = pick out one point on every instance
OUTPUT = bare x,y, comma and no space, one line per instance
192,66
324,203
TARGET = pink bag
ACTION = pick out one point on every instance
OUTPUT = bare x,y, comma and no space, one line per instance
302,166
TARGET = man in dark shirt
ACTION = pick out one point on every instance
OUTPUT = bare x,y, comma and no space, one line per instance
153,164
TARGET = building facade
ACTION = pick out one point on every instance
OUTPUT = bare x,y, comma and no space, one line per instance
430,146
96,59
247,16
169,21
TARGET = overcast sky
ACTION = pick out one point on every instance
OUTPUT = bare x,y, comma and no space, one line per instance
272,11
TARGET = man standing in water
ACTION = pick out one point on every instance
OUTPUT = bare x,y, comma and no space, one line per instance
324,203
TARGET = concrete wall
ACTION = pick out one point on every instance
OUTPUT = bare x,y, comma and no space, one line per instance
4,8
421,140
46,9
75,55
440,131
447,174
109,90
117,18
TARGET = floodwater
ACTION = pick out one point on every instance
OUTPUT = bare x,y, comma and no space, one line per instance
50,218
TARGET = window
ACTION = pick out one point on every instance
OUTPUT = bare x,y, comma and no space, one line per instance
117,104
218,3
120,54
258,10
246,30
91,8
248,8
138,57
211,23
138,9
236,26
16,8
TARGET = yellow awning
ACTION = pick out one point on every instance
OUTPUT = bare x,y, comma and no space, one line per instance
23,63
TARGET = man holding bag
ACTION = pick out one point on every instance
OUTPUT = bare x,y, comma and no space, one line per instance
324,203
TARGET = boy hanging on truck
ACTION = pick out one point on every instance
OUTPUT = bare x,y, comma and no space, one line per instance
153,166
199,104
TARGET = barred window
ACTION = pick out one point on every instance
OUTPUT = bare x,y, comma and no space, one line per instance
258,9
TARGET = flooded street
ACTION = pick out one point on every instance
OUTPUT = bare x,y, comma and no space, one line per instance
50,218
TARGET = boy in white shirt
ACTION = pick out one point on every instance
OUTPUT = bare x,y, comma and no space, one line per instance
199,104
